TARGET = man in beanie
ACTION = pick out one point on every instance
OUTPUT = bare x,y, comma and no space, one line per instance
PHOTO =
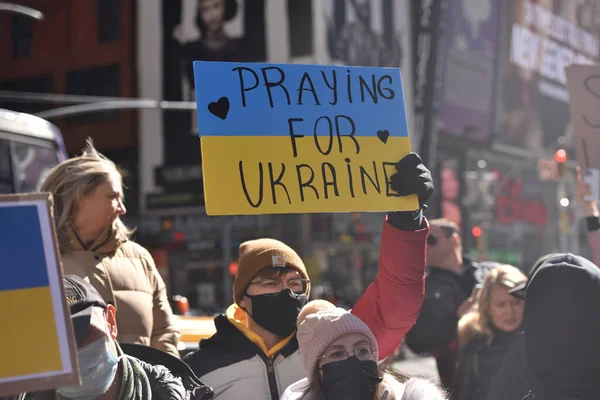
105,371
254,354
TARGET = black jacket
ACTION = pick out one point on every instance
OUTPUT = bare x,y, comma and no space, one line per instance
561,322
514,379
153,359
478,363
435,331
235,367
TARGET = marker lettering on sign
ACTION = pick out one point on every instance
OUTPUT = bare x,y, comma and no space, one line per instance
310,178
288,138
588,86
370,86
349,131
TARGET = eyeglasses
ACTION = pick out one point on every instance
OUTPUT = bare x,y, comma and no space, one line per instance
362,352
272,286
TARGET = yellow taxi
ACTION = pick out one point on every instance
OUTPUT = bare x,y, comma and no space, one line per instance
192,328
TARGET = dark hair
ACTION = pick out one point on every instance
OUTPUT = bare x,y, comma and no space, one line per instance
231,8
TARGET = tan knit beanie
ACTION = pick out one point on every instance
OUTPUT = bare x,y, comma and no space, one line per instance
318,330
256,255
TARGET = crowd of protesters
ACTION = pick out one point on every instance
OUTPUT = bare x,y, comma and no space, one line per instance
495,332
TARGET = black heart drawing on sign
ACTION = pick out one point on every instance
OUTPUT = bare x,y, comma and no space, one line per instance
383,135
220,108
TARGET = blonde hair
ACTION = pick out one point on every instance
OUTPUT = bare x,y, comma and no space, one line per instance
71,181
478,322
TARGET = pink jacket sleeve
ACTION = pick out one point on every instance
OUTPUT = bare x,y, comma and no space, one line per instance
391,304
594,243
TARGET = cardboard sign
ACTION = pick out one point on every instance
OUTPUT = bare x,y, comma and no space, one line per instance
583,82
37,345
300,138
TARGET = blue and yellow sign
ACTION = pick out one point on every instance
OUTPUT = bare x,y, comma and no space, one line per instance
36,340
300,138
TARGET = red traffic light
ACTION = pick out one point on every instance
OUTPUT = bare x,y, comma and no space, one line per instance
560,156
476,231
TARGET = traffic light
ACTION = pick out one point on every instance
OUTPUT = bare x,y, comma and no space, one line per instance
560,156
561,160
477,234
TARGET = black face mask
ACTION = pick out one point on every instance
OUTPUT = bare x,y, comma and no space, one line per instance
350,379
277,313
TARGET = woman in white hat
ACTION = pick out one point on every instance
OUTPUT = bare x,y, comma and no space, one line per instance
339,355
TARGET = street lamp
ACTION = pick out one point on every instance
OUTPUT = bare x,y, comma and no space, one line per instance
23,10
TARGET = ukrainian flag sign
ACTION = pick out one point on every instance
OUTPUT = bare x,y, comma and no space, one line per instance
37,349
300,138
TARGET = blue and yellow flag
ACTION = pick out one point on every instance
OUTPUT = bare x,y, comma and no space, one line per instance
29,343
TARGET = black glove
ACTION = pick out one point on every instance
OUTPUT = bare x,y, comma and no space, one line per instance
412,178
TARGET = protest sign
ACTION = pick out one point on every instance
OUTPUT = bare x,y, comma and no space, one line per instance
300,138
583,82
37,345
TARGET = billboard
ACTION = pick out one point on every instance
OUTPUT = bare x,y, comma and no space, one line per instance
365,33
470,46
542,37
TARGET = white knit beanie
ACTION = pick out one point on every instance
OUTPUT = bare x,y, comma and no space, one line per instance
319,330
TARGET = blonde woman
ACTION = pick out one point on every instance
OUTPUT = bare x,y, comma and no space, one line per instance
486,333
96,245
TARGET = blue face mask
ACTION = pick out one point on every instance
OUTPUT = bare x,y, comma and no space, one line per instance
97,368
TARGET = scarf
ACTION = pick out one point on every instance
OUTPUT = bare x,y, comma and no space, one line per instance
135,384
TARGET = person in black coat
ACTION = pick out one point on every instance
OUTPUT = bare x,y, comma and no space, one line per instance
514,378
451,279
562,327
487,332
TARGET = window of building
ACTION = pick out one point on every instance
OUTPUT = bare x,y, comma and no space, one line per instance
300,22
39,84
6,173
97,81
21,34
109,19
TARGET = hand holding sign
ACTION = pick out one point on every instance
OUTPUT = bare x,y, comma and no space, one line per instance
300,138
412,178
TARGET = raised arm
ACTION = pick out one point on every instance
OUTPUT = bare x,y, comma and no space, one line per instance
391,304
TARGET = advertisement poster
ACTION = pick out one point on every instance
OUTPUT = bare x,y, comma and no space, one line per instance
542,37
470,58
366,33
223,30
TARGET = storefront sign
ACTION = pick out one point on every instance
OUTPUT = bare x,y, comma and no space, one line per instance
541,41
